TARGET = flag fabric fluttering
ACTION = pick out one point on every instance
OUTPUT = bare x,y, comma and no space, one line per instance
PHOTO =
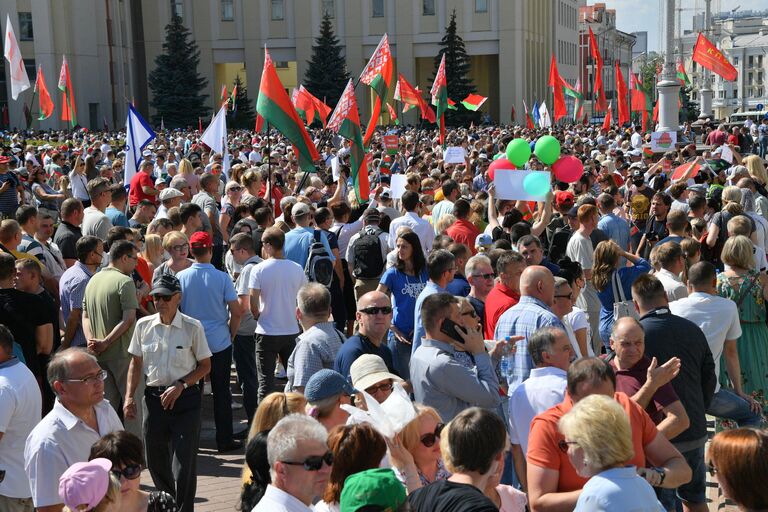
411,96
528,121
275,107
512,114
640,101
233,98
215,136
707,54
607,118
544,120
46,103
138,134
304,105
322,111
686,171
377,74
556,83
622,96
600,101
345,121
439,94
393,114
473,102
682,76
223,96
578,107
19,77
68,109
535,113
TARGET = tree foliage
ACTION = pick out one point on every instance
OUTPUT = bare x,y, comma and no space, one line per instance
176,85
242,115
327,74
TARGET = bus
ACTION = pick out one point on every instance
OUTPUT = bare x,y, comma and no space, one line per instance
740,117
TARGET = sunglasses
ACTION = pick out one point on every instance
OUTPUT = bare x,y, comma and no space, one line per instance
182,247
471,313
563,445
569,296
386,387
430,439
131,472
164,298
235,189
313,463
486,276
373,310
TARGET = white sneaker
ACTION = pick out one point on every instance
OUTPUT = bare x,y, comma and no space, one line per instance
280,371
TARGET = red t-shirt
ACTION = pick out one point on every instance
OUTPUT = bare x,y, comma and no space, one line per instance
136,194
464,232
543,449
277,195
500,299
630,381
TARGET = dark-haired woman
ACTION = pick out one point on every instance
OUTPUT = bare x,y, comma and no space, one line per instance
258,463
404,282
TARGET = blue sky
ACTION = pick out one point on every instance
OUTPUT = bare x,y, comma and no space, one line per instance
634,15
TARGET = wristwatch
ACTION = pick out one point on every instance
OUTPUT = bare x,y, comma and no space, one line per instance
185,386
662,474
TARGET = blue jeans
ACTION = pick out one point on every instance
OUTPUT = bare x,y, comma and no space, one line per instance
244,354
401,356
763,146
728,405
692,492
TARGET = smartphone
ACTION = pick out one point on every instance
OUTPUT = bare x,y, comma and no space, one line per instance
449,328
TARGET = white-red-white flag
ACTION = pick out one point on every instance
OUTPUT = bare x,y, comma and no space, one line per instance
19,77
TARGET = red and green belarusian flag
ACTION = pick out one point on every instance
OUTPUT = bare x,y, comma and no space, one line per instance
640,101
322,111
46,103
686,171
275,107
305,107
578,96
68,110
411,96
223,95
556,83
345,121
528,121
473,102
377,74
682,76
233,98
393,114
439,94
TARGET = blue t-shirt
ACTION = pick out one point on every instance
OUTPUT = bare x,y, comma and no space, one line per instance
627,276
297,244
116,217
354,347
405,290
459,286
430,288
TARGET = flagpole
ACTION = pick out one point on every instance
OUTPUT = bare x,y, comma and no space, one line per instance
269,164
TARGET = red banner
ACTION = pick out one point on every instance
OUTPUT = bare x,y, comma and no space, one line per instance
707,54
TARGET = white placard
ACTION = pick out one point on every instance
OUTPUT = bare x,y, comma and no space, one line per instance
335,168
726,154
397,184
663,141
455,155
509,185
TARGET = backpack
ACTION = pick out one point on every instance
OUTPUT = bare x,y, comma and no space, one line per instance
368,262
319,266
559,243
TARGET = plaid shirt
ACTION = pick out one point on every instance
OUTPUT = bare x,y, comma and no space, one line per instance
316,348
523,319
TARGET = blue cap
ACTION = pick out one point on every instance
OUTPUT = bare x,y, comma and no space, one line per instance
325,384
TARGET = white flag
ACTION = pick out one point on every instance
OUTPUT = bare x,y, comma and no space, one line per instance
544,120
19,78
215,137
138,133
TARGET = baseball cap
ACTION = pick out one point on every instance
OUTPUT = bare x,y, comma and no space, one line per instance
368,369
85,483
200,240
573,212
563,197
371,215
698,189
165,284
325,384
635,152
160,181
386,193
300,209
637,174
4,159
483,240
146,152
170,193
372,487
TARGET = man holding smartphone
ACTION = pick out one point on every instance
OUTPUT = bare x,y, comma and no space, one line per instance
439,378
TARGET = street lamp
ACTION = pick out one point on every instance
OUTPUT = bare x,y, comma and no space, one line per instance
706,92
668,86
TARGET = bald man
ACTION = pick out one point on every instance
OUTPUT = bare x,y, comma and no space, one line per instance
537,289
374,316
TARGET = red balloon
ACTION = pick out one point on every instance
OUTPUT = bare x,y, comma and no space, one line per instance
500,163
568,169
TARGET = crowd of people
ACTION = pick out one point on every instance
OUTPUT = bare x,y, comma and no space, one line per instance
553,355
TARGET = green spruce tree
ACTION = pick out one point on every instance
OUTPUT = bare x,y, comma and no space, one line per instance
457,66
327,74
242,115
175,83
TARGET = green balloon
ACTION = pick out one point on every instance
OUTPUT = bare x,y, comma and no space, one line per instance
547,149
498,155
537,183
518,152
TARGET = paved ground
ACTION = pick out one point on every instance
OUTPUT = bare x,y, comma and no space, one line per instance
218,484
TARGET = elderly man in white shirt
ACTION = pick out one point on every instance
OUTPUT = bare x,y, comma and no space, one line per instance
80,417
672,261
411,219
299,463
551,351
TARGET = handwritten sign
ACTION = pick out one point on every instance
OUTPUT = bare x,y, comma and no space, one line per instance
397,185
454,155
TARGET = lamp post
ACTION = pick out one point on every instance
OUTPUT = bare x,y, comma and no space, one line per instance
706,93
668,86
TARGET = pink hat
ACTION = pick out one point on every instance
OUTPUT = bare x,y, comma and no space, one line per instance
85,483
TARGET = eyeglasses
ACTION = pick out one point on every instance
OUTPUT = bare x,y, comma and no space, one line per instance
182,247
93,379
235,189
563,445
485,276
471,313
374,310
99,254
430,439
131,472
387,386
569,296
313,463
165,298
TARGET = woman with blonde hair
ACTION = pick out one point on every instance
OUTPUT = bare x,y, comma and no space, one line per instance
187,172
78,182
598,440
756,168
153,251
176,244
743,284
606,273
420,441
739,460
717,229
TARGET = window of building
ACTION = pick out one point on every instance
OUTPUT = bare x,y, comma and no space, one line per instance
177,8
278,12
281,64
751,61
428,8
329,8
31,68
759,92
481,5
377,8
227,10
749,78
25,26
759,61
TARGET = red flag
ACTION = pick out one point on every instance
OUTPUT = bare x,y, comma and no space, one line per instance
512,114
528,121
656,112
377,74
68,110
555,82
346,122
598,89
46,104
259,123
686,171
392,114
304,105
411,95
199,124
707,54
621,91
439,94
607,119
321,109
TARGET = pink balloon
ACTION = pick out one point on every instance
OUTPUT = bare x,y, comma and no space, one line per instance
568,169
500,163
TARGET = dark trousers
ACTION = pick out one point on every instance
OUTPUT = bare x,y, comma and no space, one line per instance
244,353
221,364
217,257
171,438
268,348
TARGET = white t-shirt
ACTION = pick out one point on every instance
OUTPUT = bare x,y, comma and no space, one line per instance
279,282
716,316
576,320
580,249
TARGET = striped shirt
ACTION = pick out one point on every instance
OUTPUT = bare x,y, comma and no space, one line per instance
9,200
71,292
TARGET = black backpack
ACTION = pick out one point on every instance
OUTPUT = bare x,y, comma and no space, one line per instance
559,243
368,262
319,267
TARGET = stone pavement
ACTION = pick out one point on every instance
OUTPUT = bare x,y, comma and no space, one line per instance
218,481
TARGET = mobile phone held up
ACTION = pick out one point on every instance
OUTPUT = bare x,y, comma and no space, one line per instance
449,329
